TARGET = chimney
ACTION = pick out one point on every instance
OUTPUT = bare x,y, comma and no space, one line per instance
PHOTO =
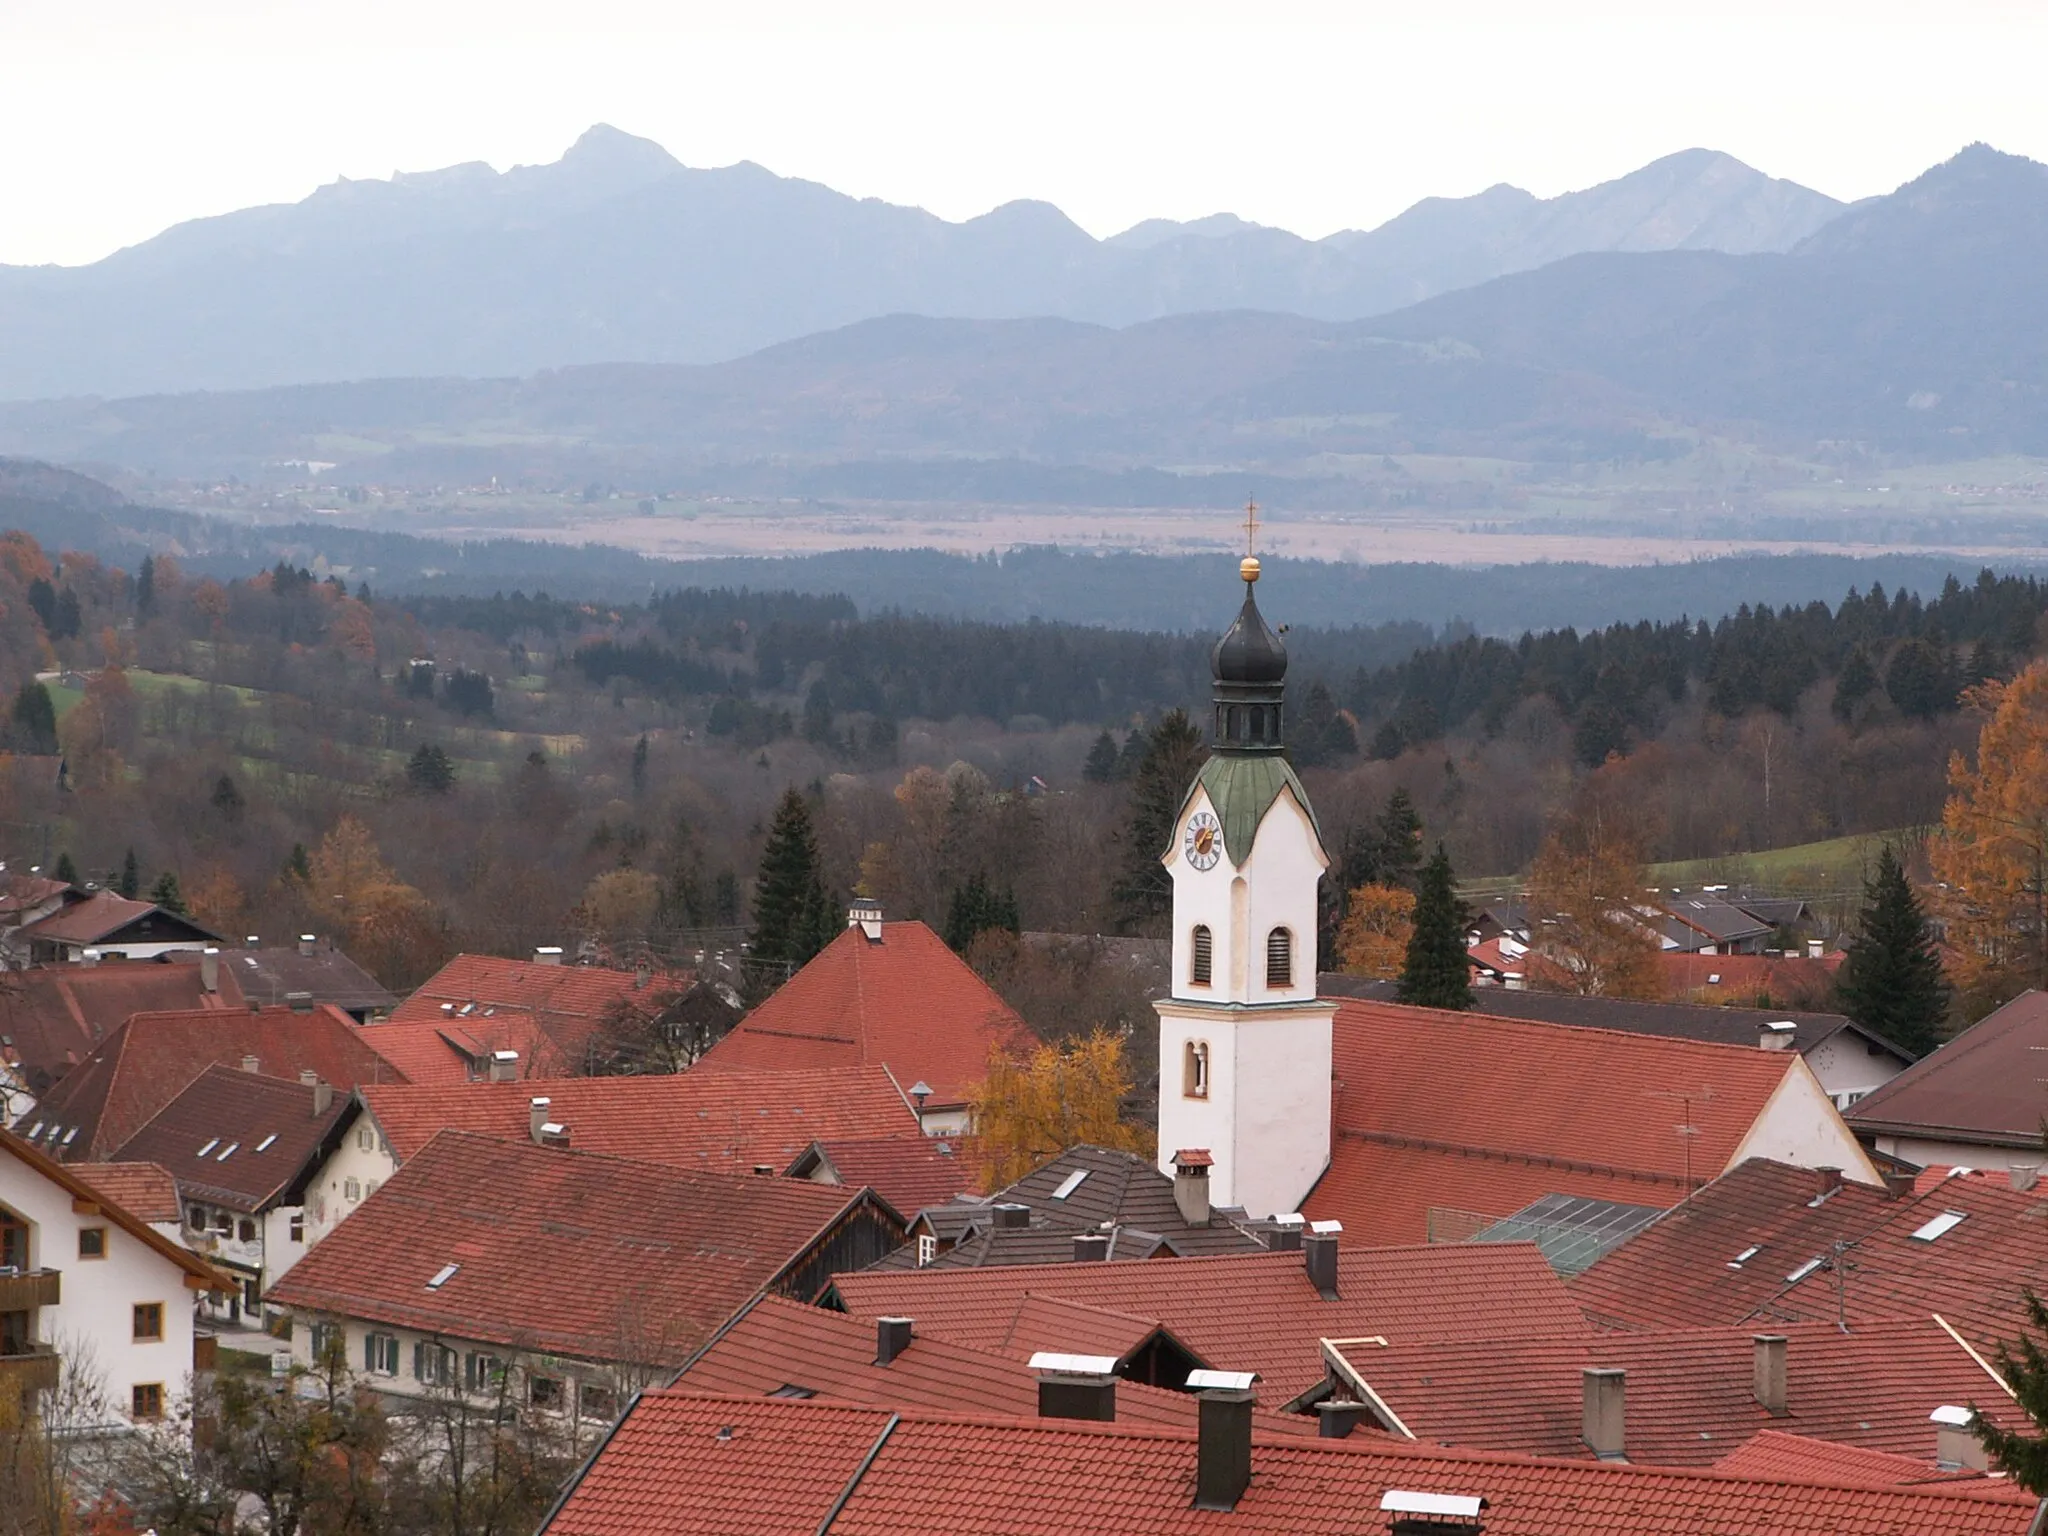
866,915
2024,1176
537,1117
1601,1414
1011,1215
1191,1167
308,1077
1814,949
323,1098
1076,1386
252,941
1776,1035
209,970
1223,1437
892,1337
307,943
548,954
504,1066
299,1002
1091,1247
251,1064
1319,1250
1286,1234
88,957
1767,1373
1830,1179
1337,1417
1956,1446
554,1134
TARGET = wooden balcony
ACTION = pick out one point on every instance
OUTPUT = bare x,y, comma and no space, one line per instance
35,1371
25,1291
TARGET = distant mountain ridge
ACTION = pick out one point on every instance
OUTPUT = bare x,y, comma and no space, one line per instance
619,253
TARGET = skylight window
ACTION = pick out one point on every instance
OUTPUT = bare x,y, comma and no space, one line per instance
208,1148
1804,1270
70,1135
1069,1184
228,1151
35,1130
442,1276
1745,1256
1947,1221
264,1144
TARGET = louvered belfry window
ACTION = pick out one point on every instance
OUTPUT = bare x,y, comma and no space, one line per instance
1204,956
1279,958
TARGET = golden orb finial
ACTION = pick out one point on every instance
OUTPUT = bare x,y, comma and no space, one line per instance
1248,568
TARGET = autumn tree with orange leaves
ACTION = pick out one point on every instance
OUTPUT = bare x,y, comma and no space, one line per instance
1586,896
1028,1111
1378,922
1991,858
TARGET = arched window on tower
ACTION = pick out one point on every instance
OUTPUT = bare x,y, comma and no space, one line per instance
1202,956
1194,1082
1279,958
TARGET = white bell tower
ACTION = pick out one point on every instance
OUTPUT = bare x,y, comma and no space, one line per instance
1244,1043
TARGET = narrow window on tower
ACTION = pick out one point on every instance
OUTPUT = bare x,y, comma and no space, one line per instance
1279,958
1203,959
1195,1070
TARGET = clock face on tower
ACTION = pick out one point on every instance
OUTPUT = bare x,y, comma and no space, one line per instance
1204,840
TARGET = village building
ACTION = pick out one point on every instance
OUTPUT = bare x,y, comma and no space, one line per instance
558,1280
1974,1102
107,926
90,1287
307,971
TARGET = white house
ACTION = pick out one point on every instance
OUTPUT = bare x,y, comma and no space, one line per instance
87,1287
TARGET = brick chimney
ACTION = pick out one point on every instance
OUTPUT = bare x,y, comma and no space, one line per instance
1956,1447
537,1116
1602,1417
1076,1386
1191,1167
1767,1373
1319,1253
1223,1437
892,1337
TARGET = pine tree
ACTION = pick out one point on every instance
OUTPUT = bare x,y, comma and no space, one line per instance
65,870
430,770
165,893
145,587
1400,841
975,908
640,765
299,866
1101,765
227,799
1173,756
130,883
35,720
792,919
2022,1454
1436,973
1891,978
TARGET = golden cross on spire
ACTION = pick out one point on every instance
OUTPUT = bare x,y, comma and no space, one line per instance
1251,526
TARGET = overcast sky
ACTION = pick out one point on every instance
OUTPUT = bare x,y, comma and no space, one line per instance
122,116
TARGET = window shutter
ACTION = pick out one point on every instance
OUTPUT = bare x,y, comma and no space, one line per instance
419,1363
1204,955
1279,958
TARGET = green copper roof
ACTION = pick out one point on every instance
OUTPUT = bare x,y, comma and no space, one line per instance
1243,787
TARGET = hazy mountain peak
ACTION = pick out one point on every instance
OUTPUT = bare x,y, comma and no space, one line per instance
601,147
1147,233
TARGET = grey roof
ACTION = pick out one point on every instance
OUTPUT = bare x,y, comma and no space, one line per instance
1571,1231
271,974
1778,911
1036,1245
1721,921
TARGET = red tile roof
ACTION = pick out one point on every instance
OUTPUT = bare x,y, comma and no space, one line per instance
1981,1087
1729,1254
239,1139
723,1122
567,1252
750,1467
909,1171
53,1015
147,1062
1690,1394
85,922
144,1190
906,1002
1255,1312
1788,980
569,1002
1776,1454
449,1053
199,1275
1432,1109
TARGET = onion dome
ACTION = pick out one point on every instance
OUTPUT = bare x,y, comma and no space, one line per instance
1250,668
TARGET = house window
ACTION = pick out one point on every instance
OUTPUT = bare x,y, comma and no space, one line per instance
927,1249
1195,1070
366,1139
596,1402
380,1354
195,1217
483,1373
351,1189
13,1241
433,1366
544,1392
149,1322
1204,950
326,1339
298,1226
370,1187
247,1231
1279,958
146,1400
92,1242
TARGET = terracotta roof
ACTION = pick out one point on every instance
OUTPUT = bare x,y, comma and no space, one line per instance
567,1252
1742,978
1432,1110
730,1122
909,1171
1690,1394
751,1467
460,1052
144,1190
1776,1454
239,1139
904,1001
23,893
1981,1087
147,1062
103,914
1729,1254
779,1344
199,1275
51,1016
1255,1312
570,1002
327,975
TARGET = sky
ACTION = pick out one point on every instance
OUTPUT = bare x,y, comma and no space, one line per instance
121,117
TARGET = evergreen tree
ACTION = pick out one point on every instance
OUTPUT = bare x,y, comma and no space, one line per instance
35,719
640,766
298,866
165,892
1173,756
429,771
1131,757
2022,1454
975,908
1101,765
1400,841
68,620
145,587
1920,680
1891,978
1436,973
65,870
227,799
792,920
1856,682
130,882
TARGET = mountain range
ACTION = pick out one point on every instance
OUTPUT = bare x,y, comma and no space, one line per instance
619,253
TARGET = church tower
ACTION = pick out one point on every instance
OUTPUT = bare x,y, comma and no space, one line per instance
1244,1044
